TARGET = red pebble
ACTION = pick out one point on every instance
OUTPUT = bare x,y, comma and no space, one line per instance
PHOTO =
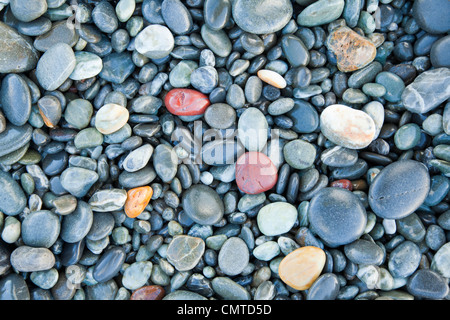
153,292
343,183
186,102
255,173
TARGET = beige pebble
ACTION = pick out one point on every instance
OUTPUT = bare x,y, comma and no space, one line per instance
111,118
273,78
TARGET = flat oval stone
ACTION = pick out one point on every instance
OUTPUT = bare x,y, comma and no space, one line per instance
55,66
295,50
438,54
262,17
320,12
252,129
18,54
155,42
217,13
228,289
364,252
108,200
427,284
109,264
87,65
138,158
221,152
50,110
78,181
60,32
186,102
165,162
399,189
441,260
299,154
326,287
117,67
40,229
151,292
12,197
29,259
75,226
137,200
137,274
431,15
427,91
220,116
203,205
337,216
28,11
111,118
304,116
216,40
233,256
273,78
78,113
15,99
176,16
255,173
300,268
338,156
184,252
352,50
104,17
276,218
404,259
347,127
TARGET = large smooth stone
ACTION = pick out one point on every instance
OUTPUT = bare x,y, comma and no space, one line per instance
184,252
255,173
109,264
203,205
276,218
186,102
60,32
217,41
252,129
12,197
76,226
439,56
29,259
427,91
326,287
138,158
40,229
27,11
165,162
217,13
111,118
88,65
347,127
155,41
404,259
441,261
427,284
352,50
320,12
228,289
108,200
55,66
399,189
432,15
300,268
233,256
17,54
262,16
176,16
15,99
337,216
14,287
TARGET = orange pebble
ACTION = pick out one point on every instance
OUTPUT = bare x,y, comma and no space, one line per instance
300,268
137,200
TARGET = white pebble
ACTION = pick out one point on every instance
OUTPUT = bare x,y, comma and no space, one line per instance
206,178
390,226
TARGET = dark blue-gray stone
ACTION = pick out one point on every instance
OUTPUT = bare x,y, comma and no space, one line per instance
337,216
427,284
439,54
364,252
304,116
399,189
117,67
203,205
109,264
15,99
326,287
165,162
432,15
217,13
72,253
102,291
27,11
295,51
104,17
40,229
75,226
12,197
5,265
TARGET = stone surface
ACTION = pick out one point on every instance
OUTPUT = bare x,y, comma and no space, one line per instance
137,200
40,229
427,91
337,216
12,197
276,218
15,99
255,173
111,118
427,284
109,264
399,189
88,65
151,292
262,17
155,42
326,287
252,129
184,252
29,259
300,268
431,15
347,127
320,12
203,205
352,51
233,256
75,226
186,102
299,154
